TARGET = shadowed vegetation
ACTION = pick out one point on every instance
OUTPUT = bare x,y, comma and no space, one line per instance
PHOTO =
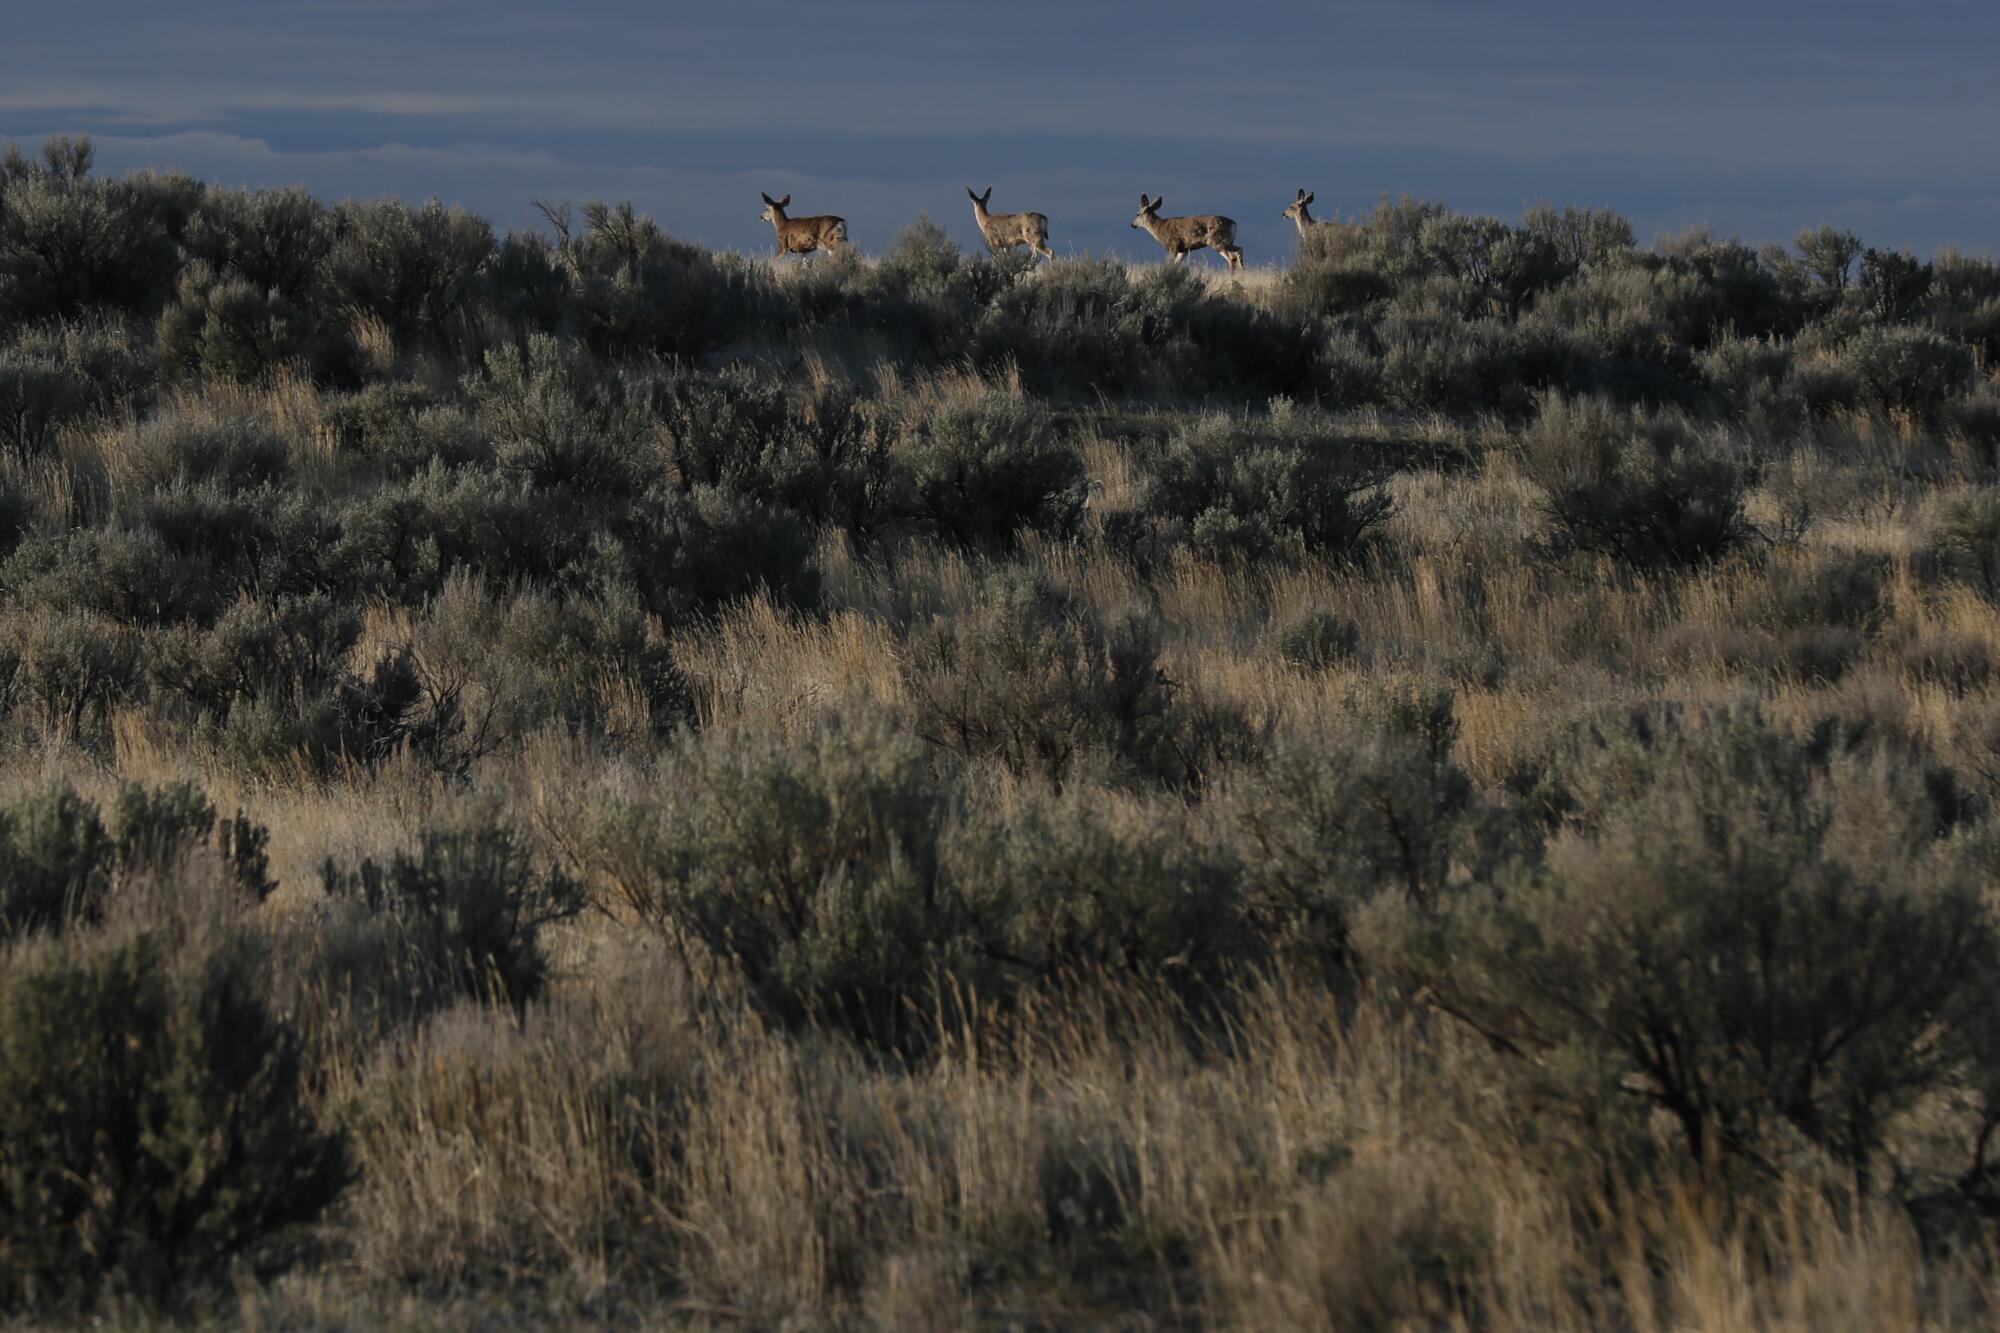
564,778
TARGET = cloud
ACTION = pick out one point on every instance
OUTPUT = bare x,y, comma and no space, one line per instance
1743,116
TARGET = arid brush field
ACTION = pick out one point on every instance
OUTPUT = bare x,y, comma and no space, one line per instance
569,779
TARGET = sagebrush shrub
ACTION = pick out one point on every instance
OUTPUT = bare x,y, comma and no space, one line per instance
1070,886
1035,681
1746,929
69,244
418,269
68,672
977,473
1647,491
810,867
1907,370
468,905
60,858
232,454
55,860
1232,489
226,328
558,417
1342,814
154,1127
1316,640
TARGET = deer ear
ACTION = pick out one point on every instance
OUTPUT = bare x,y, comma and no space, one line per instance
785,202
1308,199
1144,202
1157,202
970,195
1302,195
767,198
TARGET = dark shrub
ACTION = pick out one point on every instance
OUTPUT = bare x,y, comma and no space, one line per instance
130,577
1034,680
38,397
514,663
59,375
55,860
1343,813
978,473
558,417
58,861
1740,928
694,553
1836,587
403,429
1964,300
468,906
363,718
1964,539
631,289
69,243
275,241
232,454
1444,363
1317,640
419,270
153,829
227,328
1232,488
1820,654
1582,238
1071,885
1893,285
810,867
820,453
67,672
1645,490
404,541
1906,370
1320,288
153,1127
294,648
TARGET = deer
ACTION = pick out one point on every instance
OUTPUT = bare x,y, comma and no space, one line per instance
802,236
1310,225
1004,231
1183,235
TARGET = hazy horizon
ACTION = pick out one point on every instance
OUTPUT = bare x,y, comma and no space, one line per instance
1753,122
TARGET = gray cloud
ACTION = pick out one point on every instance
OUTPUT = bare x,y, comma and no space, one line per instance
1755,119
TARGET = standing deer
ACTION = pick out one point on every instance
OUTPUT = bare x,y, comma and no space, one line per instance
802,236
1198,231
1004,231
1307,222
1310,226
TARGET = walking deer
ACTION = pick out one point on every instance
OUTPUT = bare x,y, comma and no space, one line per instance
1004,231
1198,231
802,236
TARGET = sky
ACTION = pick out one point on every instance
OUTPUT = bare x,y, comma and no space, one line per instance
1756,118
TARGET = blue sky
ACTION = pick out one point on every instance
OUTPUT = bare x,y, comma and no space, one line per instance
1756,117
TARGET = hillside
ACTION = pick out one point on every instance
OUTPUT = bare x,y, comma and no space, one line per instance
567,779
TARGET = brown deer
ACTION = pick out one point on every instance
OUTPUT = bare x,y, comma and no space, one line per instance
802,236
1181,236
1004,231
1310,226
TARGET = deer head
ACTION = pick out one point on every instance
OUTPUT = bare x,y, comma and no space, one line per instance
1149,210
773,208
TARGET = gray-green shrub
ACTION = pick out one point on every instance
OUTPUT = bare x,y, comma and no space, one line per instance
154,1127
